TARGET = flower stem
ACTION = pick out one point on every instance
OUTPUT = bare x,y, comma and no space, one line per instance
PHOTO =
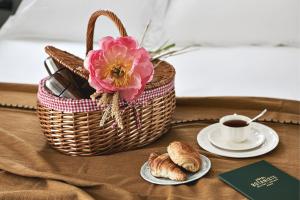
145,32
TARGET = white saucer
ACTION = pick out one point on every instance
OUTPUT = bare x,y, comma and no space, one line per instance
271,141
146,174
255,139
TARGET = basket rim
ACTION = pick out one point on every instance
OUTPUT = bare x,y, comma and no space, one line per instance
49,100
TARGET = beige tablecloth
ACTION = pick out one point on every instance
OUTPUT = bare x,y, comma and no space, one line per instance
30,169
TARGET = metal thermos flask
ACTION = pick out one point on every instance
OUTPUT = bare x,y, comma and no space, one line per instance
64,83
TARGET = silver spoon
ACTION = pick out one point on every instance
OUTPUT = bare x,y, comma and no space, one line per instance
258,116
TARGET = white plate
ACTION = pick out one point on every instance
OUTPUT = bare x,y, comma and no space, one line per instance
271,141
255,139
146,174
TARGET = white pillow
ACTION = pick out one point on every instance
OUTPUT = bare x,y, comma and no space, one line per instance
233,22
67,19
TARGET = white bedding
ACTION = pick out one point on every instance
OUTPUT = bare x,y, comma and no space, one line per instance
239,71
234,22
231,71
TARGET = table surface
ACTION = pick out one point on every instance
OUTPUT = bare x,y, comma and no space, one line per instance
30,169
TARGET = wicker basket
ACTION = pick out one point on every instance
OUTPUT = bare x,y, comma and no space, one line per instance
79,133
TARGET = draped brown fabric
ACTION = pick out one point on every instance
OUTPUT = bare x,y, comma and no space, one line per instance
30,169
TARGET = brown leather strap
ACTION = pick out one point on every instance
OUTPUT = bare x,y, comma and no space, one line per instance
91,26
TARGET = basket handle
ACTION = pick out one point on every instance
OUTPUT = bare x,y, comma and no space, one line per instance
91,26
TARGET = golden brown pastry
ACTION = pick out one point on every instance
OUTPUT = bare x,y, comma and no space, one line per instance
162,166
185,156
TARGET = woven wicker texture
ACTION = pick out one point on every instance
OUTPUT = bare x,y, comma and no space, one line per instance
80,134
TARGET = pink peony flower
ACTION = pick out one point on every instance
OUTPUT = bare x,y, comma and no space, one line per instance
119,65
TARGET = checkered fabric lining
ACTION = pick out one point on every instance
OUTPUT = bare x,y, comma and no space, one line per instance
48,100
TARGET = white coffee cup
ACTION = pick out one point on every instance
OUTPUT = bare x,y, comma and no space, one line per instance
234,134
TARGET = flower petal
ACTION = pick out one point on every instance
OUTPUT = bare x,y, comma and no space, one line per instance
93,83
132,91
128,41
107,85
106,43
123,51
88,59
145,70
119,52
143,66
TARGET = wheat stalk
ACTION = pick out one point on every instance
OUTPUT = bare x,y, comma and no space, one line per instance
95,95
103,100
106,113
115,112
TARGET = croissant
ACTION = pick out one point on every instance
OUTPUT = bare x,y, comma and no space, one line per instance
185,156
162,166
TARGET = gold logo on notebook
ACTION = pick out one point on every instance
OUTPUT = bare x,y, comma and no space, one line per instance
264,181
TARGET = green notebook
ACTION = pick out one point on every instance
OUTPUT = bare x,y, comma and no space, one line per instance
261,180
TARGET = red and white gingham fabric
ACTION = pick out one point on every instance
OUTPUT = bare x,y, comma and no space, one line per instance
48,100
